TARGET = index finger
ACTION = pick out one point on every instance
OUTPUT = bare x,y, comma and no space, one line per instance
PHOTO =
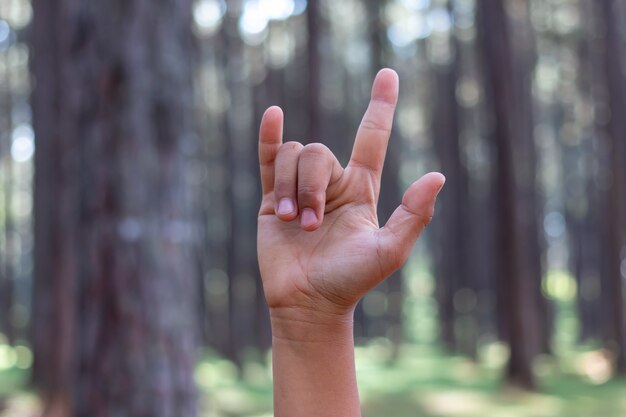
372,137
270,139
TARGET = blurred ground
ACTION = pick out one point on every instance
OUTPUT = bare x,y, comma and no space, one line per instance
422,383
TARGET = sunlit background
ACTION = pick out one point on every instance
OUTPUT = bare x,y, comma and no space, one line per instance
432,340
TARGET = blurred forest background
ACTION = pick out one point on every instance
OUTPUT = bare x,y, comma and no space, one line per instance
129,191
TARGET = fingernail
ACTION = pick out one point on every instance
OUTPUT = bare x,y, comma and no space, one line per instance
442,184
285,206
308,218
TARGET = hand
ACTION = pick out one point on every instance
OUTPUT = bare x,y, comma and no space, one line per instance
320,247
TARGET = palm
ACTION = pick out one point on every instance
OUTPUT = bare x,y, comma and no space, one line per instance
336,256
332,261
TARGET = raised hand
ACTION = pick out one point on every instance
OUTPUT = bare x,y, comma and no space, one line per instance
320,246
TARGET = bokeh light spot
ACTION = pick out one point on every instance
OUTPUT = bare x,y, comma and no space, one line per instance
207,15
23,143
5,31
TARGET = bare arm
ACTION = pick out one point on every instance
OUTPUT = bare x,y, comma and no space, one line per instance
321,250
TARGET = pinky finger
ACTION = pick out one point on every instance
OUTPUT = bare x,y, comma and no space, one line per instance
270,140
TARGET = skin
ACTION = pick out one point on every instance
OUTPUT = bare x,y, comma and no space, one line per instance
321,250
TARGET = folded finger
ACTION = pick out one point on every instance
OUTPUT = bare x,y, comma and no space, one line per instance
317,168
286,180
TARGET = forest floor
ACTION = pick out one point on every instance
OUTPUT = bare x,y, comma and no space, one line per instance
421,382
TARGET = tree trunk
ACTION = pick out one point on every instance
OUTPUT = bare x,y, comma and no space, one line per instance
508,93
114,231
8,255
451,264
614,53
242,192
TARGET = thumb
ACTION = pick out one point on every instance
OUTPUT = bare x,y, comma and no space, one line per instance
409,219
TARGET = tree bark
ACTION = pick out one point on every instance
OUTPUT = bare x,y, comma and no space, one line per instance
114,227
508,93
452,226
613,52
8,255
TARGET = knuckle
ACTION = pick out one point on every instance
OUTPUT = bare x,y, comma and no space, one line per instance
291,146
316,149
375,125
283,187
393,257
422,218
310,193
427,215
307,189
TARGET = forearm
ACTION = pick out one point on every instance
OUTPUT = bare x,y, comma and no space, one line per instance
313,365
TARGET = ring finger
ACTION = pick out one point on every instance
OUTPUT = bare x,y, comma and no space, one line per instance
286,180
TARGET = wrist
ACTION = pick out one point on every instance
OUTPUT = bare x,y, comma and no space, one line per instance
295,324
